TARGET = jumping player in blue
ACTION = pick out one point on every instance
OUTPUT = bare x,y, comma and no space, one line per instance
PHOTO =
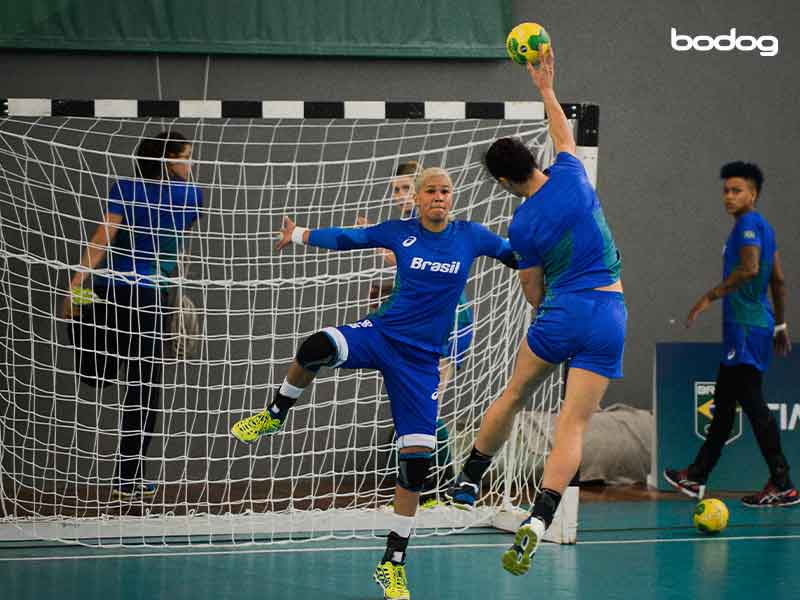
570,271
403,339
751,266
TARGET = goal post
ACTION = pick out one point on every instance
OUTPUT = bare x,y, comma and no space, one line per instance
330,473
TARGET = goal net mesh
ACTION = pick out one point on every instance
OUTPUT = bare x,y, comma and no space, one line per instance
331,472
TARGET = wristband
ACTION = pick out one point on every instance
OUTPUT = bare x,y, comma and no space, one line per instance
297,235
779,328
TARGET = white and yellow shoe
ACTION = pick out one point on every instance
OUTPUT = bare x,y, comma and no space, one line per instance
250,429
392,578
517,559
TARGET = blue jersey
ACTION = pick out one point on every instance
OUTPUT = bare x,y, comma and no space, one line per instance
461,330
562,229
748,304
464,317
150,236
432,271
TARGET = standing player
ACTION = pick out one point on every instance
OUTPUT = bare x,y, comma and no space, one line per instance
403,341
564,245
139,239
454,352
751,266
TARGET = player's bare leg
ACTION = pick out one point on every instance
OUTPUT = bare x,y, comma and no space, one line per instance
585,390
529,371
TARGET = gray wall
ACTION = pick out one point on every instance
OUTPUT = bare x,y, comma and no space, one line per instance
668,120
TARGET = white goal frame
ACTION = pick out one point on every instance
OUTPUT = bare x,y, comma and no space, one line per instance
166,527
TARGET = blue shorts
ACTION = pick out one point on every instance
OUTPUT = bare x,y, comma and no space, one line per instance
587,328
746,345
458,344
411,376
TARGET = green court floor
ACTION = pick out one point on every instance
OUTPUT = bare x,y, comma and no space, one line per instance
630,550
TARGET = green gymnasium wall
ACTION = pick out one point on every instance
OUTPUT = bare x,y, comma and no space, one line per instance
374,28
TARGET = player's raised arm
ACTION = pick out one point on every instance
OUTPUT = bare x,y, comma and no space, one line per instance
332,238
560,129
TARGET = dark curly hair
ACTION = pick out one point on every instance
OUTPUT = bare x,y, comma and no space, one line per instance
151,150
748,171
509,158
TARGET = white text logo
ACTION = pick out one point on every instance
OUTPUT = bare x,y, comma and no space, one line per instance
364,323
409,240
767,45
429,265
788,416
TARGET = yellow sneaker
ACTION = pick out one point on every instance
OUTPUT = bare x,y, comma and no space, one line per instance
430,503
392,578
250,429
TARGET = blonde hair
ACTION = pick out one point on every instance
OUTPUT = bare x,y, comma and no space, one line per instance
433,172
430,172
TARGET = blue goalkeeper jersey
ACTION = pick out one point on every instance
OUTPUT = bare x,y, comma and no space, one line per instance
748,304
562,229
432,271
155,217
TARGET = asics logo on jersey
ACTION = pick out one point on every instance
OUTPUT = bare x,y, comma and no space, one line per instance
409,240
421,264
359,324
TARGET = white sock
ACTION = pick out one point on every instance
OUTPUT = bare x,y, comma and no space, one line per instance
538,527
403,525
290,391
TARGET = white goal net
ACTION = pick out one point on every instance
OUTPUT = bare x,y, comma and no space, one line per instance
331,472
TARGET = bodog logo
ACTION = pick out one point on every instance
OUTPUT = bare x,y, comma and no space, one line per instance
767,45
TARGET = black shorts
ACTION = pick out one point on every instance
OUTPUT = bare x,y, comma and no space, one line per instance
125,323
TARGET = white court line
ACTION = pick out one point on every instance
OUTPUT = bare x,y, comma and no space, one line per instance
696,539
378,548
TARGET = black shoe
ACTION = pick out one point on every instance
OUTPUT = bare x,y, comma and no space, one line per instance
771,496
463,494
681,482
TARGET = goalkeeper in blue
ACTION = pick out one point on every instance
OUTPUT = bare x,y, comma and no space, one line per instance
402,339
565,248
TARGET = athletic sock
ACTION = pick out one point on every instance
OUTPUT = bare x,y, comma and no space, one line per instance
285,398
545,506
395,548
476,466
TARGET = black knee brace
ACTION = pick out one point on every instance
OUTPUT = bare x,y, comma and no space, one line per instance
317,351
413,469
